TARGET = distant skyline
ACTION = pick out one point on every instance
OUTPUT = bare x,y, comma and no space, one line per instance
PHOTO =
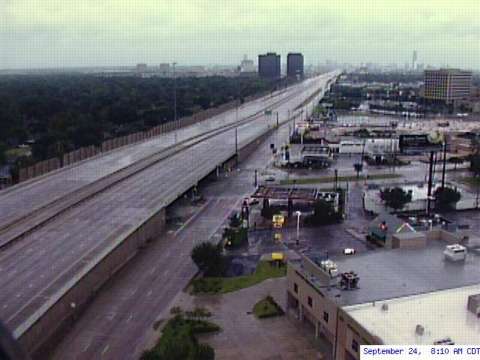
59,33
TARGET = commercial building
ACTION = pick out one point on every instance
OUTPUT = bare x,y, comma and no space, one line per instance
414,60
164,69
295,66
447,85
385,228
141,68
247,66
269,66
400,296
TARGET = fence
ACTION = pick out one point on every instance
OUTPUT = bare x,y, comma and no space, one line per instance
75,156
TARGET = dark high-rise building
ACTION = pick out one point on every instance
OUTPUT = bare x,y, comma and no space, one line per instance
269,66
295,65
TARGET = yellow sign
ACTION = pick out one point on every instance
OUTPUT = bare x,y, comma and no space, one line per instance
278,221
278,256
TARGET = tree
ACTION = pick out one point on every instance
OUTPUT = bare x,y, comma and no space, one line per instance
209,259
235,221
395,198
358,168
475,164
3,157
446,198
323,214
475,157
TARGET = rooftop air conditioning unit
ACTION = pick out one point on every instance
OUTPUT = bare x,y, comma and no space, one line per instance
474,304
455,252
349,280
419,330
329,267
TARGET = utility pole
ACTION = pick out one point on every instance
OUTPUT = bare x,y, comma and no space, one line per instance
175,102
430,176
444,163
394,154
236,144
336,180
174,92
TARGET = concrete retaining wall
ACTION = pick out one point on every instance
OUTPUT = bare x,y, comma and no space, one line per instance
442,235
45,332
245,151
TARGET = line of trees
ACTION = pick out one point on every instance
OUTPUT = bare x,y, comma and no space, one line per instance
64,112
396,198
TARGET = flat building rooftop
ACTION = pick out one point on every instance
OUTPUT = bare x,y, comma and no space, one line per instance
389,274
439,315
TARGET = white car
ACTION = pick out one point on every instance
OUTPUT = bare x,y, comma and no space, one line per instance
348,251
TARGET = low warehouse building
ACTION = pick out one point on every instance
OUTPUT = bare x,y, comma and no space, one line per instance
385,297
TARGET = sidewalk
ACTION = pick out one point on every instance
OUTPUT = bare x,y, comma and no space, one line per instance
243,336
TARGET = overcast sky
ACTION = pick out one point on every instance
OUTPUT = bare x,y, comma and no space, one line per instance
58,33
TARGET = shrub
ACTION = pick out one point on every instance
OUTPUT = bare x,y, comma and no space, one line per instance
178,341
235,221
323,214
207,285
267,307
205,352
395,198
446,198
236,237
209,259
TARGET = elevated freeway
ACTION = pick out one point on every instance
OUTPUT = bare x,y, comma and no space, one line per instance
75,227
27,205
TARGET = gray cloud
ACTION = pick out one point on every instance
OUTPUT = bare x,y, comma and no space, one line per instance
38,33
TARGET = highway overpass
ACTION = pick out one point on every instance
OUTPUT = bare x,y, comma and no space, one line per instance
64,234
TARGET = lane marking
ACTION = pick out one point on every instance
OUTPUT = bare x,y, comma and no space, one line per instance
105,349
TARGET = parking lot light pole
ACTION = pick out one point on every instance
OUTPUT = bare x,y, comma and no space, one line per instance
298,213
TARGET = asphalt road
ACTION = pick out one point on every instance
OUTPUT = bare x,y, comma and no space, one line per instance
36,269
21,200
117,323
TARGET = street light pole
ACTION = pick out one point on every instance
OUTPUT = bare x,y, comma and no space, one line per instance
298,213
175,101
236,144
174,93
